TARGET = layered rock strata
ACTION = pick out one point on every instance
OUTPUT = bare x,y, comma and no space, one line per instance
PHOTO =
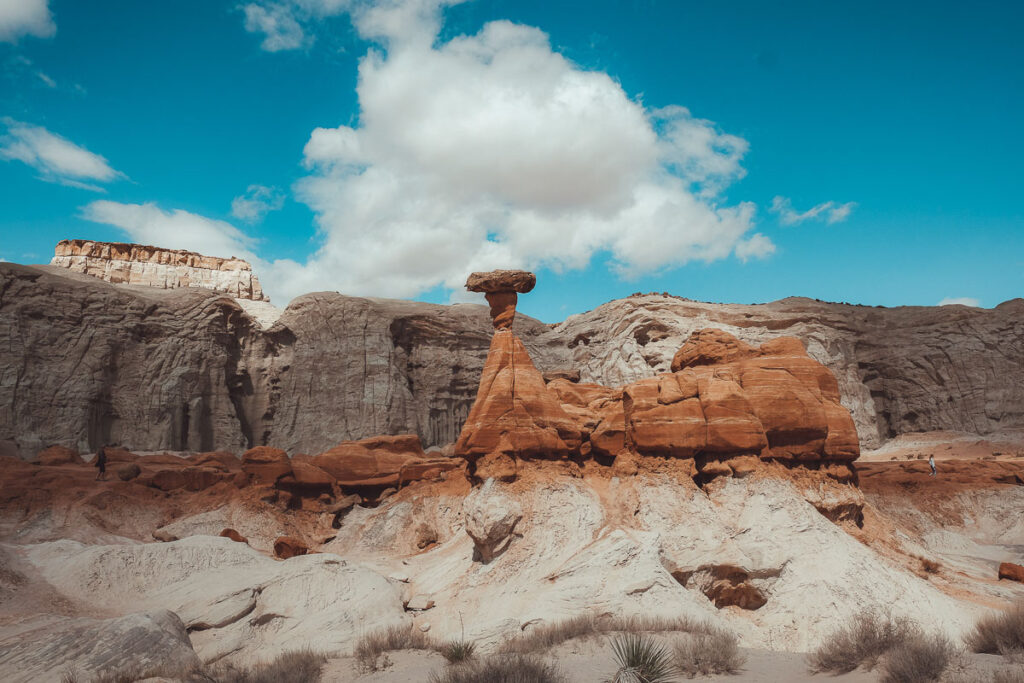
136,264
501,288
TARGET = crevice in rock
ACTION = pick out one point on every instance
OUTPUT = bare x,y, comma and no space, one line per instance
728,585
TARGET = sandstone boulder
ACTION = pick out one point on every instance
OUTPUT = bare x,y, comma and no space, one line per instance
233,535
286,547
1011,572
380,461
128,471
265,465
491,517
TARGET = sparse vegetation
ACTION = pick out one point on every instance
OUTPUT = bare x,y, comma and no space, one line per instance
918,659
297,666
547,636
999,633
862,642
929,566
1009,675
456,651
371,650
703,654
508,668
70,675
641,659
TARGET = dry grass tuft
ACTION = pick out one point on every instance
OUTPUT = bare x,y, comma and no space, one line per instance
547,636
297,666
456,651
919,659
929,566
704,654
862,642
999,633
1009,676
371,650
502,669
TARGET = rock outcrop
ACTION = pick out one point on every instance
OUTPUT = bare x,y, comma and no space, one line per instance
501,289
407,367
136,264
381,461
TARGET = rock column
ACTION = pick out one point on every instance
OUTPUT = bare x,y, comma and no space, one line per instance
501,288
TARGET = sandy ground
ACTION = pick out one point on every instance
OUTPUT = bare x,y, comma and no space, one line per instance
1008,444
591,661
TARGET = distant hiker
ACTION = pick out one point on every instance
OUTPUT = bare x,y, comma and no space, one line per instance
101,463
931,463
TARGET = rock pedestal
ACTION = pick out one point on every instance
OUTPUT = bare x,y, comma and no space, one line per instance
501,288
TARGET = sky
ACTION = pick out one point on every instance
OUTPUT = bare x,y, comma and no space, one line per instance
862,152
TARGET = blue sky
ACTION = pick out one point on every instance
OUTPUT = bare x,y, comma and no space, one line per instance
728,151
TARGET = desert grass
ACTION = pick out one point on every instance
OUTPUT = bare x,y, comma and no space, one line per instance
641,659
929,566
296,666
371,650
861,643
507,668
918,659
705,654
456,651
1009,675
997,634
546,636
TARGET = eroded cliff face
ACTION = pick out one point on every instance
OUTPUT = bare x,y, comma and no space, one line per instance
136,264
84,362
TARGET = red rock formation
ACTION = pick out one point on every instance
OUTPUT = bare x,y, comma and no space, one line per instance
59,455
500,288
1011,571
234,536
286,547
265,465
515,414
381,461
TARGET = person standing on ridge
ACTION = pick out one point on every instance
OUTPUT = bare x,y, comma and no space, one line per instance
101,463
931,463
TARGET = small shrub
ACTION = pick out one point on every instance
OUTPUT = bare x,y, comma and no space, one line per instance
295,666
372,646
70,675
918,659
929,566
708,653
502,669
641,660
547,636
999,633
456,651
861,643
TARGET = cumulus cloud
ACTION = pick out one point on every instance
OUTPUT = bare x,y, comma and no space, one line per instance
830,212
25,18
492,150
176,229
961,301
54,157
256,203
276,21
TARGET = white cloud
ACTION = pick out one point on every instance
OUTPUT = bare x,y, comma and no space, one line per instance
961,301
177,229
257,202
830,212
56,158
278,24
47,81
492,150
25,18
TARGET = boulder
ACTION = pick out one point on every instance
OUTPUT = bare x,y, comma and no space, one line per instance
380,461
128,471
265,465
710,346
520,281
59,455
419,603
234,536
139,643
1011,572
491,517
514,412
286,547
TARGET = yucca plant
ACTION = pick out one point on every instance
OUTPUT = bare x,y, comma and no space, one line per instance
641,660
